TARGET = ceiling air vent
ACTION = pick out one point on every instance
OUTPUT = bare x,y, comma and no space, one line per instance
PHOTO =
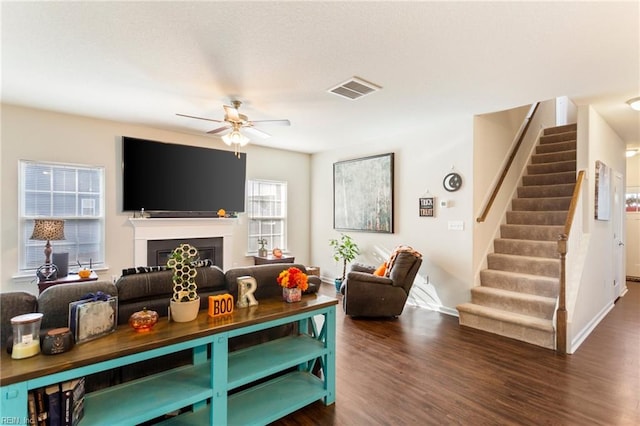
354,88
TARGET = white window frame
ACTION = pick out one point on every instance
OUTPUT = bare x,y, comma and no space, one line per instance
261,220
86,211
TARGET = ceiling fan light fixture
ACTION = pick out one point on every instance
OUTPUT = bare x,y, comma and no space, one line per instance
234,137
634,103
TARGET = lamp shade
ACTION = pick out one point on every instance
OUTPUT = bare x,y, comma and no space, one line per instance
48,229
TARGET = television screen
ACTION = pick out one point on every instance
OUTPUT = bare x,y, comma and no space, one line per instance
167,177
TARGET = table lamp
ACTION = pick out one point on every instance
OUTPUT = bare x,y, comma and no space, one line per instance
47,230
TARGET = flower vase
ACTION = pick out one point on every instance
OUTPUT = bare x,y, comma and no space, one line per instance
291,295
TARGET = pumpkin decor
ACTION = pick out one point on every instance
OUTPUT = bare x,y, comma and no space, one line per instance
143,320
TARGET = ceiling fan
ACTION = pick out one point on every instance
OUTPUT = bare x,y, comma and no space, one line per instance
234,121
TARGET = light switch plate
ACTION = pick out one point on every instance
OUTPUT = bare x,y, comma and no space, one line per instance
455,225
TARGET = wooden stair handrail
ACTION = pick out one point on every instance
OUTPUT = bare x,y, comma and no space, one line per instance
574,203
505,170
561,313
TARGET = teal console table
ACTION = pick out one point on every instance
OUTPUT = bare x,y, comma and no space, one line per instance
203,385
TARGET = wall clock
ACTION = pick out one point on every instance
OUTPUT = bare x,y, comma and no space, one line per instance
452,182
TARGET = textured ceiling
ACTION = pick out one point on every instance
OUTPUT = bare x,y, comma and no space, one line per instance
142,62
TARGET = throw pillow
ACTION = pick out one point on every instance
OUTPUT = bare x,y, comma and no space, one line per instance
381,271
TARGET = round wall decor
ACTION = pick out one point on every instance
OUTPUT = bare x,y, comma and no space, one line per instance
452,182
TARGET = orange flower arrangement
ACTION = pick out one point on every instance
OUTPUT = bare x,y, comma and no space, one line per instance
293,278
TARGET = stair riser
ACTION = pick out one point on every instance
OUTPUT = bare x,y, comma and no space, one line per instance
541,204
573,127
562,166
536,218
537,266
556,147
558,137
536,309
538,233
550,179
544,249
536,337
553,157
540,286
545,191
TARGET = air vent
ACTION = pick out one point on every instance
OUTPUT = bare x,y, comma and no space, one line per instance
354,88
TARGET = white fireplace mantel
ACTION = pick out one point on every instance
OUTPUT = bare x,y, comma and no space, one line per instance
177,228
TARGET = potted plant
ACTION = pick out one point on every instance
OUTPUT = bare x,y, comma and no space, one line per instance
262,251
185,302
345,250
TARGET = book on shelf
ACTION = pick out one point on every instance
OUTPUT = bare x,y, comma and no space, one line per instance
72,404
41,408
53,404
31,401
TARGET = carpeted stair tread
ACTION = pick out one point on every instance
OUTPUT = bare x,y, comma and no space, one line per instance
558,137
528,264
532,232
520,282
546,249
572,127
559,166
506,316
513,301
550,178
543,191
541,204
542,217
553,157
557,146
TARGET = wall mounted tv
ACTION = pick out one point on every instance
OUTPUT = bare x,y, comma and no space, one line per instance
172,180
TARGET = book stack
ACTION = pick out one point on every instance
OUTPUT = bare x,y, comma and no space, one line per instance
60,404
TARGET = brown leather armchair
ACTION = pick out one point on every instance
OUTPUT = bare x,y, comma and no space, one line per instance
369,295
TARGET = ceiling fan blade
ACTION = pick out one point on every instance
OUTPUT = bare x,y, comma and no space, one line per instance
219,129
272,122
232,113
200,118
255,132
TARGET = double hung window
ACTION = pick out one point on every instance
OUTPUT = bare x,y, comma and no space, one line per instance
267,213
72,193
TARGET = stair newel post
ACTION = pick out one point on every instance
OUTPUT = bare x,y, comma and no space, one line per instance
561,314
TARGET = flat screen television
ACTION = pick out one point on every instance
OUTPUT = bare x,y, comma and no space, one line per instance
179,180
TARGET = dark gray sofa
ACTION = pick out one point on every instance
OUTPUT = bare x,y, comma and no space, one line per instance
152,290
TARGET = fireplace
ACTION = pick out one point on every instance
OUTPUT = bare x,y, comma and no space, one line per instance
158,251
183,230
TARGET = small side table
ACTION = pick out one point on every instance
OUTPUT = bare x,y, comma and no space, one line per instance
71,278
266,260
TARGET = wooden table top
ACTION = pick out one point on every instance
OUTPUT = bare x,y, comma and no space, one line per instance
126,341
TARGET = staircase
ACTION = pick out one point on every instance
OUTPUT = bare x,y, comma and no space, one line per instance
518,291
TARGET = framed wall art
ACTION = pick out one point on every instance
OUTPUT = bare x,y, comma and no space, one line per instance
363,194
603,191
426,206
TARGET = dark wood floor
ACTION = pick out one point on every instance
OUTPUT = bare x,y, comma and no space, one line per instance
424,369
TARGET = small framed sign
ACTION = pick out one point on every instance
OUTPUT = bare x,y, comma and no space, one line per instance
426,206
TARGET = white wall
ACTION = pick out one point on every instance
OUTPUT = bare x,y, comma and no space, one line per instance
29,134
421,162
595,296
